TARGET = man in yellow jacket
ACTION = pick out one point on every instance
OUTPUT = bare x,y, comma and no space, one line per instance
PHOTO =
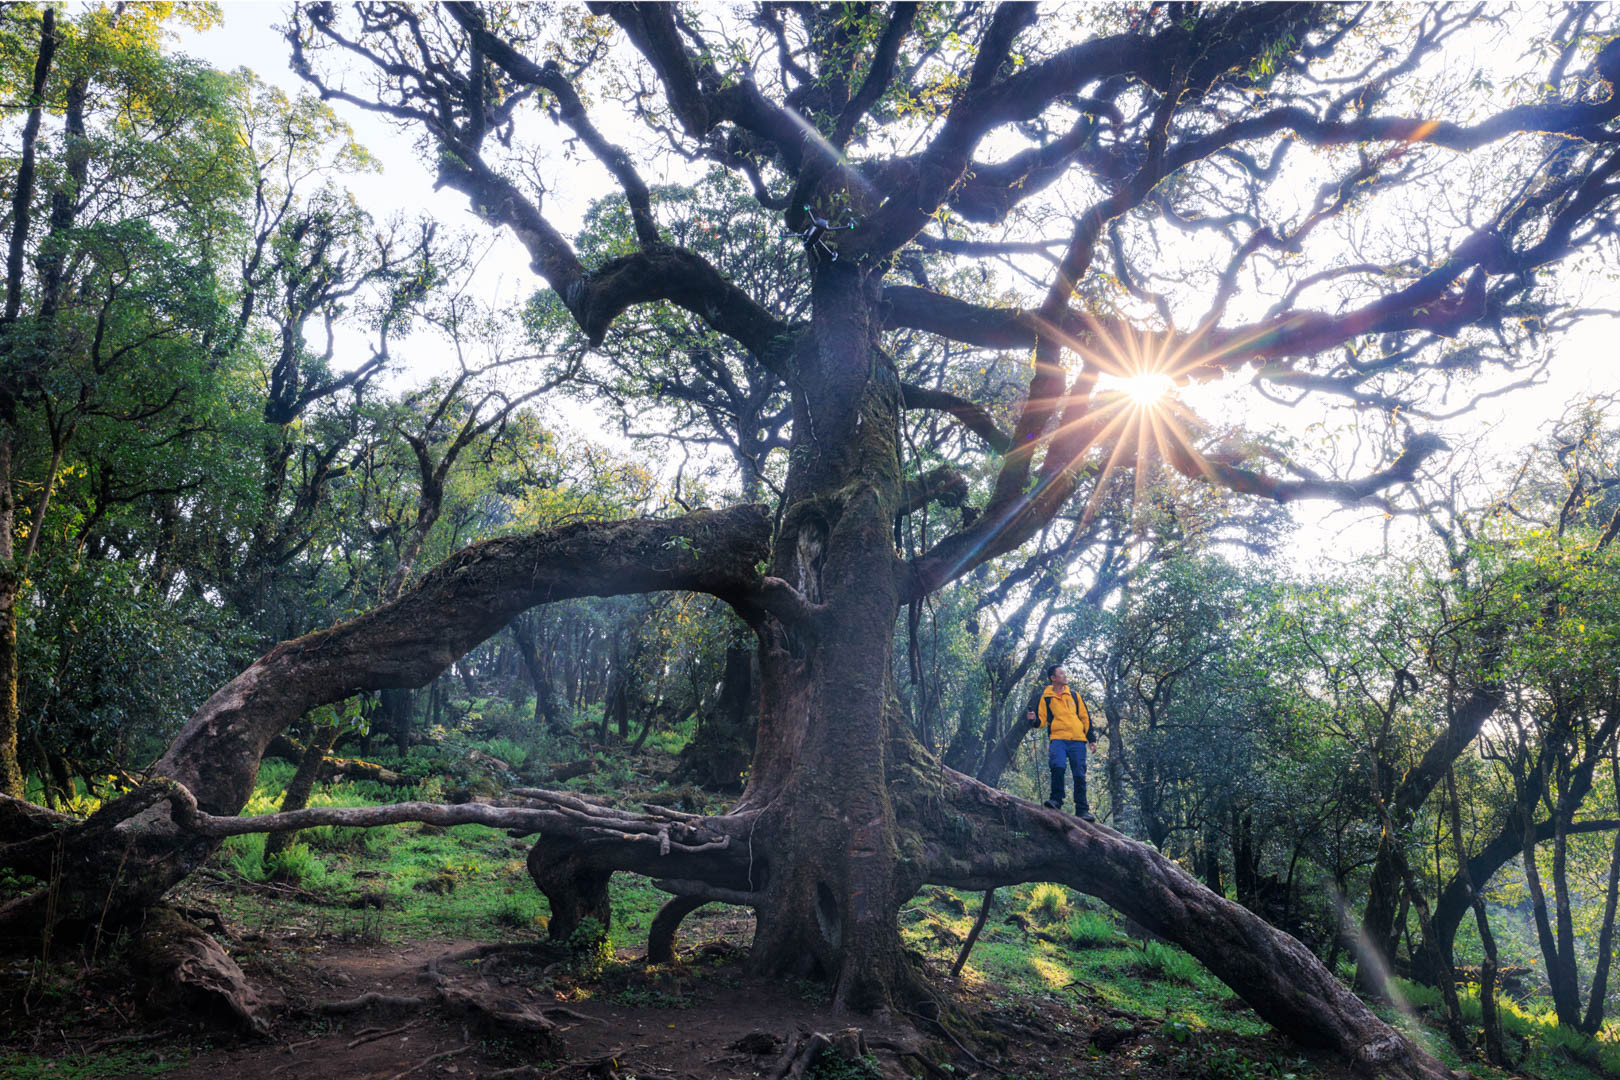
1068,725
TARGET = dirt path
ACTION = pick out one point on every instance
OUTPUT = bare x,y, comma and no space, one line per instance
704,1019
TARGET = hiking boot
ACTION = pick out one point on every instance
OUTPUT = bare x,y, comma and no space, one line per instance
1052,804
1084,814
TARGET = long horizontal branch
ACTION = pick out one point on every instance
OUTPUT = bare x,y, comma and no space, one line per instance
1424,305
1403,470
557,814
465,600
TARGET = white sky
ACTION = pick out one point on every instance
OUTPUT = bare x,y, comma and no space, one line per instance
1584,362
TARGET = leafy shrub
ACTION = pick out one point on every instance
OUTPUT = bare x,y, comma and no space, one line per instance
1049,902
592,947
244,855
1170,963
295,865
508,750
1091,930
1229,1063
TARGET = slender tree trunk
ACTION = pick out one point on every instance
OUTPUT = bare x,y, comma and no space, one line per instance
1434,960
396,708
546,716
973,935
22,197
1114,764
1558,974
1596,1002
1566,977
11,776
1245,861
1379,928
1210,859
301,786
1491,1021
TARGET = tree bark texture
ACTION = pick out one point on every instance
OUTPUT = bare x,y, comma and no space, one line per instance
1598,997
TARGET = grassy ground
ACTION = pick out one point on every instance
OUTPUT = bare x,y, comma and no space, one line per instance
1043,950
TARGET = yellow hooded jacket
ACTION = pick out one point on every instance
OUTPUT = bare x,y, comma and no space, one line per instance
1064,714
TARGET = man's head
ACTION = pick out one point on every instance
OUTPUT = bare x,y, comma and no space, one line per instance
1056,675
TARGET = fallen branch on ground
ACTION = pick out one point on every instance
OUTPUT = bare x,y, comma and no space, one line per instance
425,1062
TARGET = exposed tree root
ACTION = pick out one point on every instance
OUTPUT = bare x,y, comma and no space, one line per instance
849,1044
661,934
432,1059
186,970
903,1052
373,999
372,1035
482,952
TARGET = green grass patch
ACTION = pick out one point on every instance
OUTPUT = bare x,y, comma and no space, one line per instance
108,1065
296,865
1104,969
1169,962
1552,1051
470,881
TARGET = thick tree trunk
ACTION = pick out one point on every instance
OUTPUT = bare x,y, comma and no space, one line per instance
831,896
844,816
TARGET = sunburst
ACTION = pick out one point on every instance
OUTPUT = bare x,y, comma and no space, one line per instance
1133,406
1145,391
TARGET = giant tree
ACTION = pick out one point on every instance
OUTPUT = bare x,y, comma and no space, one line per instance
1199,159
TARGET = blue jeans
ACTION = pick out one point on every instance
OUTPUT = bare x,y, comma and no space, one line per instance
1070,753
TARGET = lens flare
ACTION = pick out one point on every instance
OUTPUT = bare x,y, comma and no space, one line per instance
1145,391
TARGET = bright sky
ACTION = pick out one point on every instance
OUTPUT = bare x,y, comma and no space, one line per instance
1584,361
